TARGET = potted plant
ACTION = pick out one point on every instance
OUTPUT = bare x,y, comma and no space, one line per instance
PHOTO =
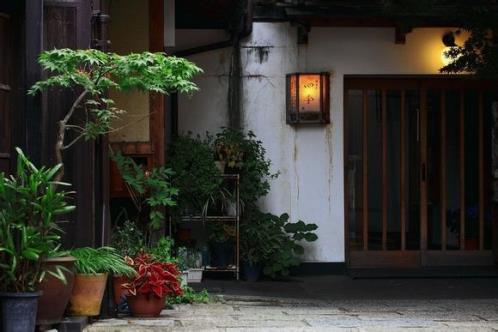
150,191
246,156
92,268
56,291
128,240
195,175
256,244
154,281
285,242
221,243
229,151
29,206
194,266
182,264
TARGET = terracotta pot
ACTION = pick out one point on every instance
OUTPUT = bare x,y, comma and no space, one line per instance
146,305
119,291
87,295
56,293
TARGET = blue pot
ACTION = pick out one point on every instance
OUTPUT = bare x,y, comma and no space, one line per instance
18,311
251,272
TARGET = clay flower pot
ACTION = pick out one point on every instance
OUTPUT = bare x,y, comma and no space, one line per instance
117,287
55,293
87,295
146,305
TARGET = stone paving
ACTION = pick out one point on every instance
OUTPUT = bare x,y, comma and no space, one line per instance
243,313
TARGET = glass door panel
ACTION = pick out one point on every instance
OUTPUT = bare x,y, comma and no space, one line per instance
375,179
434,171
354,167
411,148
452,169
393,169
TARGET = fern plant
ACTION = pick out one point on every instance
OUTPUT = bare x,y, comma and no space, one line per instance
150,190
101,260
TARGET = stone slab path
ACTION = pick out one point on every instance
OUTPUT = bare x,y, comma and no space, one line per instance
243,313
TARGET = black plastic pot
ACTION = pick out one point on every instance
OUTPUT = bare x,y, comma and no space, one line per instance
18,311
252,273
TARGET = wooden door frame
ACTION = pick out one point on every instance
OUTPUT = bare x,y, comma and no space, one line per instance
422,257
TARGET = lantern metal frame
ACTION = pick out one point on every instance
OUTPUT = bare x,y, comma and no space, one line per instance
293,114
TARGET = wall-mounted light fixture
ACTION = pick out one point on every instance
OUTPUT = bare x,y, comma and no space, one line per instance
308,98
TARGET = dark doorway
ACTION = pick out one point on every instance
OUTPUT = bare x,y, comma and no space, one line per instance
418,171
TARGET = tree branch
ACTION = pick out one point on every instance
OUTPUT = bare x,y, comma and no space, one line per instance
65,147
74,107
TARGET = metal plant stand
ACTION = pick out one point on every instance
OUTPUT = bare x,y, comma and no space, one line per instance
235,178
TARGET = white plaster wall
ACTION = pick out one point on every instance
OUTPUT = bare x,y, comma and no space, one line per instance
310,159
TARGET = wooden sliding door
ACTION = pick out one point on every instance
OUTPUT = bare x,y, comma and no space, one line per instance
418,171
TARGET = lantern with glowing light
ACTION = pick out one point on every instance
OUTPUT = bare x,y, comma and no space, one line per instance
308,98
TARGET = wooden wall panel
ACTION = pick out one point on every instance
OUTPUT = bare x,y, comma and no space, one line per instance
67,24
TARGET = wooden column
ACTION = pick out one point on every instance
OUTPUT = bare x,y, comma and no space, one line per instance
157,104
33,39
481,170
402,163
462,169
384,170
422,131
444,155
365,170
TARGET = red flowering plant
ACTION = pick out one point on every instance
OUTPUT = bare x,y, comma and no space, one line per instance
153,277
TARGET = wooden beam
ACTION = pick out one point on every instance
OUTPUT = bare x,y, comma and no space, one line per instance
157,105
400,33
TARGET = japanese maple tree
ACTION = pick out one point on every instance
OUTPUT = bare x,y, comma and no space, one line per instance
92,73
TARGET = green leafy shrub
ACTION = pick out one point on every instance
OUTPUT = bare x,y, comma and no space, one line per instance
100,260
278,240
189,296
149,190
128,239
196,175
162,251
29,232
249,161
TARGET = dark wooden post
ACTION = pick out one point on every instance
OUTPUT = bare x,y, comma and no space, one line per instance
33,39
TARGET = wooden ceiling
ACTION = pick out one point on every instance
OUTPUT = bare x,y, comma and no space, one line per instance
203,14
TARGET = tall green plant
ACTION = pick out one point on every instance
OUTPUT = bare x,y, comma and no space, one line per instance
128,239
196,175
92,73
149,190
248,157
29,233
279,241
